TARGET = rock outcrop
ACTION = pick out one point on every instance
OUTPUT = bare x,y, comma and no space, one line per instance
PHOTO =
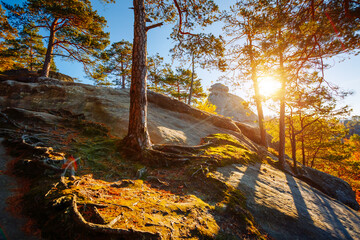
284,206
288,208
230,105
169,120
330,185
32,76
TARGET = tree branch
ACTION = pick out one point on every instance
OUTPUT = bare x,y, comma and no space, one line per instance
154,26
180,19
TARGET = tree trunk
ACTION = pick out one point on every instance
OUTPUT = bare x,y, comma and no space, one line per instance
138,137
282,114
257,96
303,150
302,142
47,62
178,91
192,79
293,148
31,55
122,76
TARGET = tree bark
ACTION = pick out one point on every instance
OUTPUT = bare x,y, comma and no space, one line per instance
282,113
303,143
192,79
47,62
257,96
293,148
138,138
122,75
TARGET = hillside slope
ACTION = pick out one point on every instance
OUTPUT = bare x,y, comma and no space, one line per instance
282,205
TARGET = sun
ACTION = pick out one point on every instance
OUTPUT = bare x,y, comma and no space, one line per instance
268,86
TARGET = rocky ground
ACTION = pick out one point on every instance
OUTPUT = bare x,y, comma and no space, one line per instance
10,226
88,122
288,208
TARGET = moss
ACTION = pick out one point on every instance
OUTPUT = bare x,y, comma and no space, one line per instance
100,156
175,215
223,139
142,208
221,150
233,203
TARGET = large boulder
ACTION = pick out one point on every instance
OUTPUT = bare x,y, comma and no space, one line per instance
283,205
230,105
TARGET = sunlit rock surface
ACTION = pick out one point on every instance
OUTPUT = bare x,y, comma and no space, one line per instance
230,105
169,120
285,207
288,208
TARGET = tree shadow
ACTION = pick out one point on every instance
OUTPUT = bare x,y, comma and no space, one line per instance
324,208
275,220
328,210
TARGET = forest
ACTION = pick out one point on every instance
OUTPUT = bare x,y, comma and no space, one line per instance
276,40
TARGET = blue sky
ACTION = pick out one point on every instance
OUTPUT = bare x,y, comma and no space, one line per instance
345,74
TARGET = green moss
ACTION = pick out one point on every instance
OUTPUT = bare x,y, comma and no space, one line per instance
223,139
142,208
225,149
232,202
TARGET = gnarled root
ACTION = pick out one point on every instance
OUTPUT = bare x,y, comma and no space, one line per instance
107,229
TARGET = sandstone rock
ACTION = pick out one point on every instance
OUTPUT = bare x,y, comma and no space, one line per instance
284,206
330,185
288,208
230,105
26,75
169,120
218,87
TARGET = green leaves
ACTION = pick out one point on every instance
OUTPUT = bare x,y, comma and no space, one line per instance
77,28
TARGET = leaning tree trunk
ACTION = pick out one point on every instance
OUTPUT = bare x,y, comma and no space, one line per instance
192,79
257,96
47,62
138,137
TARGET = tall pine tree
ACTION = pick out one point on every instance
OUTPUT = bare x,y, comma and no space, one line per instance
75,30
7,36
188,15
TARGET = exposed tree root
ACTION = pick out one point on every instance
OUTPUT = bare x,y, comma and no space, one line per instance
165,158
107,229
170,148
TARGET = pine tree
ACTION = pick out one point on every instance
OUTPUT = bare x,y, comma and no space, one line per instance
157,71
75,30
7,35
30,48
178,85
243,24
309,102
189,15
115,65
205,50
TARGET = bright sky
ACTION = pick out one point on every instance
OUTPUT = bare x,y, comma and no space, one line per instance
345,74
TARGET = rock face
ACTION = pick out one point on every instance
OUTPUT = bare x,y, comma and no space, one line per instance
230,105
284,206
169,120
28,76
288,208
332,186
